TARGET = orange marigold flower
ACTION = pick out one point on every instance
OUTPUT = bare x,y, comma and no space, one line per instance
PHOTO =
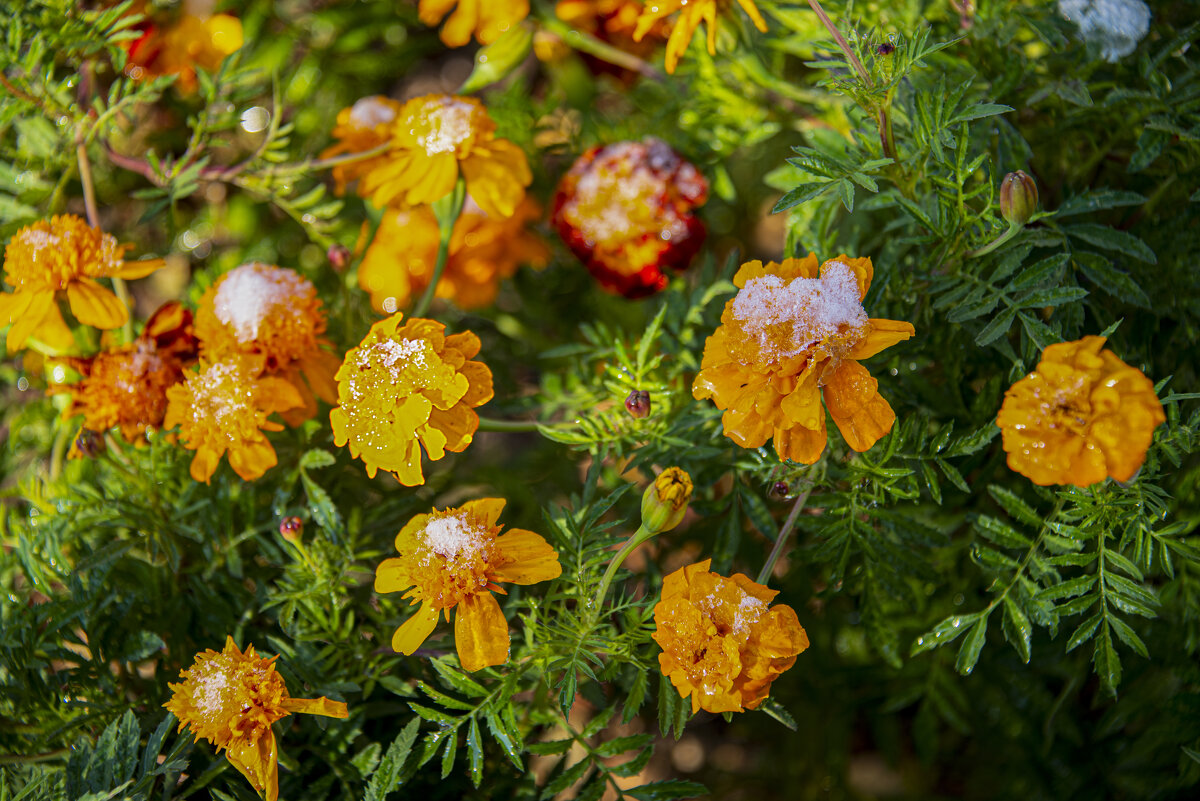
1080,416
483,251
363,127
224,407
126,386
793,333
272,312
456,558
486,19
626,211
722,643
435,138
406,386
231,698
61,254
612,21
691,14
179,48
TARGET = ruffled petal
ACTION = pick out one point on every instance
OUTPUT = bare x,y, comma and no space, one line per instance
94,305
480,632
415,630
26,311
528,558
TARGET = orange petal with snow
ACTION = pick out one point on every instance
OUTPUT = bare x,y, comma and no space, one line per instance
486,509
94,305
415,630
528,558
860,412
480,632
863,270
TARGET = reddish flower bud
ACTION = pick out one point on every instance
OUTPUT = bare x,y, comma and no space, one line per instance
339,257
780,489
290,528
1018,197
638,404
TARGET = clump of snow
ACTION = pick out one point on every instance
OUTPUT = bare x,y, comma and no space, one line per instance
252,291
747,614
453,538
450,125
369,112
209,695
393,354
815,308
1116,26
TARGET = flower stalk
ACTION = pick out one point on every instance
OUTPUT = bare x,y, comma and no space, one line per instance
447,210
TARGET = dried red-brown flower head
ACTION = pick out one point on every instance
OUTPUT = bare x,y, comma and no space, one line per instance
626,211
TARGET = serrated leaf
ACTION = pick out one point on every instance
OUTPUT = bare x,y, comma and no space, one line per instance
386,777
1106,662
1097,199
1128,636
1001,533
777,711
450,752
315,458
475,752
1111,281
1084,632
1111,239
1017,628
1039,272
968,652
947,631
1038,332
1016,508
1052,297
997,328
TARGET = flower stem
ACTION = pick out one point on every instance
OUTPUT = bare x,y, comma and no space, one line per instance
842,43
446,210
639,536
579,40
765,574
1013,230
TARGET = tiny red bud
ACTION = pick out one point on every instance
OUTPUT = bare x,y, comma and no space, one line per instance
638,403
1018,197
290,528
339,257
780,489
885,49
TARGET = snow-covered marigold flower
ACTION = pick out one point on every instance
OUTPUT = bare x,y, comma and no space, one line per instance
274,313
485,19
63,254
1082,415
691,14
406,386
231,698
793,333
224,407
723,643
126,386
457,558
437,138
626,211
180,47
483,251
361,128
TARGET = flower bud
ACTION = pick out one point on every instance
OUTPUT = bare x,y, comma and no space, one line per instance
88,444
1018,197
666,500
290,528
780,489
339,256
496,60
638,404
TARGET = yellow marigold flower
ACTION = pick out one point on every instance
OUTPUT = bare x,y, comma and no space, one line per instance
483,251
272,312
1080,416
792,334
486,19
406,386
457,557
231,698
61,254
722,643
691,14
126,386
364,126
612,21
224,407
434,139
665,501
178,49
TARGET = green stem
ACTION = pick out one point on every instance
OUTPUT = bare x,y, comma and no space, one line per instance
446,210
842,43
765,574
1013,230
93,218
491,424
639,536
578,40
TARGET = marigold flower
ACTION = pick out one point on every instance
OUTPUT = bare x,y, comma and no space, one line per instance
612,21
486,20
231,698
435,138
625,210
224,407
483,251
788,337
406,386
1080,416
272,312
457,557
722,643
63,253
126,386
665,501
691,14
363,127
191,41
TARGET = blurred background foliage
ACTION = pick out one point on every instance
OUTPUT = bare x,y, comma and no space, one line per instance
118,570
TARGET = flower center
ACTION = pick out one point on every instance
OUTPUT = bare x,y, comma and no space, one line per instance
255,296
453,558
223,402
444,124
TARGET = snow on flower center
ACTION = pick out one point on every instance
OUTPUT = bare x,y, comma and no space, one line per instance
785,320
455,553
445,124
223,398
57,251
253,293
370,112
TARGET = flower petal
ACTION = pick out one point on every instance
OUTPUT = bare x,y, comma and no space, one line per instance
860,412
415,630
204,463
251,459
528,558
486,509
26,312
862,268
94,305
881,334
480,632
393,575
138,269
259,763
315,706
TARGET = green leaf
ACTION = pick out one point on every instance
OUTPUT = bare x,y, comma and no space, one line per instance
1111,239
968,652
979,111
1016,508
508,739
450,751
666,790
947,631
776,710
386,777
1085,631
1017,628
1111,281
1001,533
1052,297
997,328
636,696
1128,636
973,442
1097,199
322,508
1106,662
1039,333
475,752
316,458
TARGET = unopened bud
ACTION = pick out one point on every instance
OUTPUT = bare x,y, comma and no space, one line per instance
88,444
290,528
780,489
339,257
498,59
638,404
1018,197
666,500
